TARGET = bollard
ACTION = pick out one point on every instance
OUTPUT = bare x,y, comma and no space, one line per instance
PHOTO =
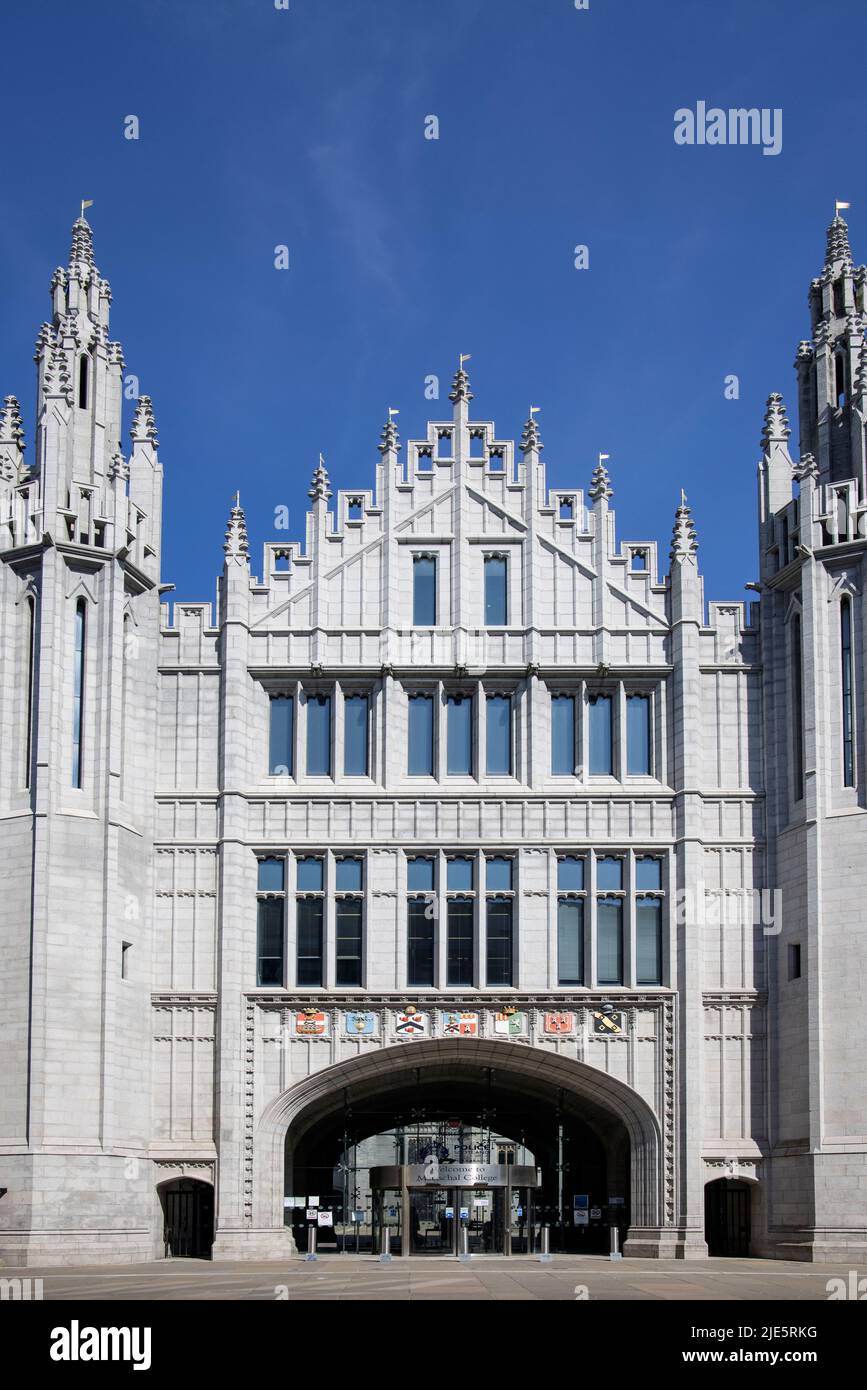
545,1256
464,1243
311,1243
385,1245
615,1244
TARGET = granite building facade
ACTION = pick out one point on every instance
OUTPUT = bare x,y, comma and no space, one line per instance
467,816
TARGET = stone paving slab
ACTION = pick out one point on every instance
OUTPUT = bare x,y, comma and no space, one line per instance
362,1278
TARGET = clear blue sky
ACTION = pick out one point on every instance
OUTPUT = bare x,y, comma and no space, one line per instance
305,127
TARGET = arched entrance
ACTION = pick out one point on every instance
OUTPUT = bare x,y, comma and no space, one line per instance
727,1227
593,1138
188,1218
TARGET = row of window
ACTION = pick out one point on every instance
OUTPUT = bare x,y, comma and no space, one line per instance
425,607
475,730
846,696
461,922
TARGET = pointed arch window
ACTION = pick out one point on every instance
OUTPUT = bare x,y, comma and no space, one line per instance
83,380
78,692
31,664
797,708
846,691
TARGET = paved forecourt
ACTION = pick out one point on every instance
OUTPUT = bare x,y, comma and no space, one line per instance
353,1277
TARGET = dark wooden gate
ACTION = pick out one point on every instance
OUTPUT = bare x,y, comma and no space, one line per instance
727,1217
189,1218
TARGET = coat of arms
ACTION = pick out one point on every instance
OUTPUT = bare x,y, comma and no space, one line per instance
558,1023
311,1023
465,1025
509,1024
411,1023
360,1024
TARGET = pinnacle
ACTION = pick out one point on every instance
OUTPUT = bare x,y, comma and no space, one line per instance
236,543
776,427
320,487
56,381
600,483
460,386
144,429
390,439
861,374
531,438
838,248
684,545
82,242
11,427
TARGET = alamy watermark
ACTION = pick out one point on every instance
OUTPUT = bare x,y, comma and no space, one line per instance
739,125
730,907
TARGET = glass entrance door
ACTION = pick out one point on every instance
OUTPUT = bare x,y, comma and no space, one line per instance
482,1213
432,1221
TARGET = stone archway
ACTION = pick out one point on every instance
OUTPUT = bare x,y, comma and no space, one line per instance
525,1069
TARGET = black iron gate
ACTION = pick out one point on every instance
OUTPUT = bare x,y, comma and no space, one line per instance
727,1217
189,1216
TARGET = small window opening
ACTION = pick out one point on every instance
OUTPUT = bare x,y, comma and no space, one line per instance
567,509
639,560
125,949
82,381
838,299
354,509
795,961
840,380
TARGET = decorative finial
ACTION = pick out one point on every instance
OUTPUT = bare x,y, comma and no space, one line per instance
236,544
531,439
118,468
776,427
860,386
56,381
82,238
600,483
461,385
684,545
390,439
838,248
11,426
806,467
143,429
320,488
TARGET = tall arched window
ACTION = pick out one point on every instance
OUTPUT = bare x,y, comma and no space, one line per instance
124,681
846,691
78,692
31,655
797,697
83,372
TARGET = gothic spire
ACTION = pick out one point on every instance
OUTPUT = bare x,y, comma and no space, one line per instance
531,438
320,487
390,439
600,483
684,545
776,427
11,427
144,429
82,242
236,545
838,248
460,386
